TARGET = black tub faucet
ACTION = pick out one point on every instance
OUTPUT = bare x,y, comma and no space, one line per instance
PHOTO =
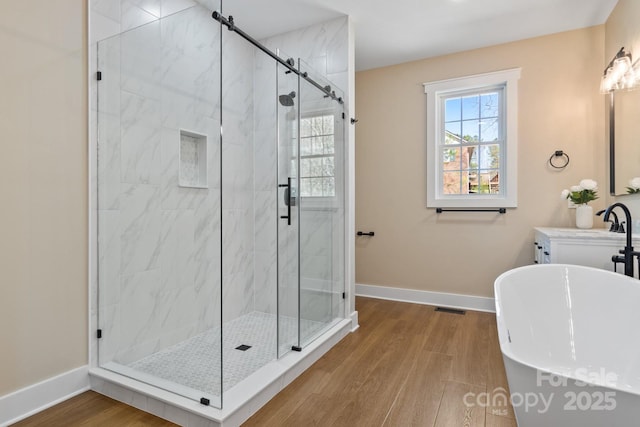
628,249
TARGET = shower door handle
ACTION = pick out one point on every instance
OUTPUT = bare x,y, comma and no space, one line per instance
287,201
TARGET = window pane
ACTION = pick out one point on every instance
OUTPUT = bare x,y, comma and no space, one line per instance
471,107
328,166
316,126
489,105
305,187
452,134
464,184
470,159
305,127
473,182
328,143
452,109
328,125
451,158
316,187
490,156
305,167
316,145
489,130
471,130
328,187
489,182
451,183
305,147
315,168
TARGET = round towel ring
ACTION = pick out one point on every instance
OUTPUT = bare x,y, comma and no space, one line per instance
564,156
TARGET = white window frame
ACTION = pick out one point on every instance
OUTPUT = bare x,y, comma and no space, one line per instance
508,197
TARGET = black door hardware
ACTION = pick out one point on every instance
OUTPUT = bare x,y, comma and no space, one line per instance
287,200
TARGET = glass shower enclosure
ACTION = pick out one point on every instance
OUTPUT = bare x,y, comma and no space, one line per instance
220,206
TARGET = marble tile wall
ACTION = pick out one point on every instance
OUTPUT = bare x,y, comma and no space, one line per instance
112,17
237,176
323,46
265,182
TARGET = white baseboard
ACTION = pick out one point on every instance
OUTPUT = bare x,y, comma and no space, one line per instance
354,321
441,299
30,400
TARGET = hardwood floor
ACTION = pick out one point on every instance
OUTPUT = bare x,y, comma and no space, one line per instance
91,409
407,365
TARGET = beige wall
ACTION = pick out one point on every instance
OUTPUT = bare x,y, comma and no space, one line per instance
43,189
623,29
559,108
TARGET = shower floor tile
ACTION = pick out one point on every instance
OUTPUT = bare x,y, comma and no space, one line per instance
195,363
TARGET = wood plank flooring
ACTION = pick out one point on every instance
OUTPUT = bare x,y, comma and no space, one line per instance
407,365
91,409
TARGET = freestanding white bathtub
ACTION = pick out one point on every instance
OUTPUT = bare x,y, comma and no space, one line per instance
570,340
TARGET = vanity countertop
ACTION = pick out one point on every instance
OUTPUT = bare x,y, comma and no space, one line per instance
589,234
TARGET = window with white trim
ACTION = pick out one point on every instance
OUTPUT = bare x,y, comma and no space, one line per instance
472,141
317,156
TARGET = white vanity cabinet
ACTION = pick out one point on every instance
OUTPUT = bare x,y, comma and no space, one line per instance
593,248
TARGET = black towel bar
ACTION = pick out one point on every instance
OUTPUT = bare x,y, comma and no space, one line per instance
499,210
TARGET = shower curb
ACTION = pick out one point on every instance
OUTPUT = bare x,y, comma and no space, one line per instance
239,403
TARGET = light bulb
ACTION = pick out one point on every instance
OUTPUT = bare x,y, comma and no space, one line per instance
628,80
620,67
608,81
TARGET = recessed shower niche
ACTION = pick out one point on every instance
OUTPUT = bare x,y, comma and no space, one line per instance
193,160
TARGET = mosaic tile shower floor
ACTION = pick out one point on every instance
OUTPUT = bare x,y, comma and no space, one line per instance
195,363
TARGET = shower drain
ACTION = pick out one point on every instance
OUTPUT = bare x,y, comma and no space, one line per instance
243,347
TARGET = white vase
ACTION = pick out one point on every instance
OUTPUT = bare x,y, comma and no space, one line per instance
584,216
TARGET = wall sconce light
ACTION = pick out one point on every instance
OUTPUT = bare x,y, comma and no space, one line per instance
620,74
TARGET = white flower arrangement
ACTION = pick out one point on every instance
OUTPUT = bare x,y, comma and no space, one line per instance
583,193
634,186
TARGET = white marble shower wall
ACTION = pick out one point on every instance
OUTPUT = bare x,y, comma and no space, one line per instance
158,243
265,182
321,271
237,176
323,46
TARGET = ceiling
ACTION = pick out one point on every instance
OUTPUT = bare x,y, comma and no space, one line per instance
397,31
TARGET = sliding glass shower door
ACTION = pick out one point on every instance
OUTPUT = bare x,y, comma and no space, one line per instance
321,206
288,210
310,208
